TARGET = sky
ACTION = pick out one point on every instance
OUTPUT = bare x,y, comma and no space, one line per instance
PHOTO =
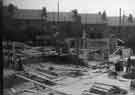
83,6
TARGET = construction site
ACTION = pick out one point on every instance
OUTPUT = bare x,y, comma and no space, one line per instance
67,53
50,74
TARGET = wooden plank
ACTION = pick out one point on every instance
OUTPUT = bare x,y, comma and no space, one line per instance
37,92
47,71
93,93
101,88
104,84
39,71
39,78
98,91
41,84
63,69
38,75
47,75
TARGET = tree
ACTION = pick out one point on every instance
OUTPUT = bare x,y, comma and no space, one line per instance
9,21
99,13
44,18
104,16
130,18
11,9
44,12
75,12
76,16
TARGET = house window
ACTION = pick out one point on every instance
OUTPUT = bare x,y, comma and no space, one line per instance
72,44
99,35
92,35
95,35
27,22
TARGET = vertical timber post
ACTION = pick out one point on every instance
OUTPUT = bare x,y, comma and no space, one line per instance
119,22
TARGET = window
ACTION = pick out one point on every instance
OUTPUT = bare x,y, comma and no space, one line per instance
99,35
92,35
72,44
95,35
27,22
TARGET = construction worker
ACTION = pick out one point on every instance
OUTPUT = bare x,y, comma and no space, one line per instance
121,66
128,65
132,68
124,66
11,61
19,65
117,66
132,84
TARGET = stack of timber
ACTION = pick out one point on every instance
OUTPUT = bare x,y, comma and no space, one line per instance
105,89
39,81
41,71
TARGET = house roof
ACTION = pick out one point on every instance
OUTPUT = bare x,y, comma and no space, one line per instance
91,19
68,16
36,14
53,16
114,21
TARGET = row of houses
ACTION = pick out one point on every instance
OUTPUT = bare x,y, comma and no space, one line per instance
79,30
74,22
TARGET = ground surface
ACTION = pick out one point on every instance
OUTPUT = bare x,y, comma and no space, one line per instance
66,83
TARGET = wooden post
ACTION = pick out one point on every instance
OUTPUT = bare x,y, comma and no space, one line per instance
13,57
77,45
119,23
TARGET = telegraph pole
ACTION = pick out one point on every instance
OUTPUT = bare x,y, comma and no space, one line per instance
58,11
84,32
123,17
119,22
120,17
57,29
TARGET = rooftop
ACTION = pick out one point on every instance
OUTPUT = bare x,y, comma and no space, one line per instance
31,14
53,16
114,21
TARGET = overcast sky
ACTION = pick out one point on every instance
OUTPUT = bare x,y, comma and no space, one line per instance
85,6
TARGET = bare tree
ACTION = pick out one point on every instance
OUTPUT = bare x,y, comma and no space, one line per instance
44,12
104,16
99,13
75,12
11,9
44,18
43,22
130,18
76,16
